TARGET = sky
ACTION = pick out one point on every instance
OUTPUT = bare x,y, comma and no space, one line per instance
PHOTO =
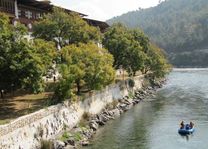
104,9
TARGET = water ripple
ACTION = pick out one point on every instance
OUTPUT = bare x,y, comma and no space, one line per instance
153,125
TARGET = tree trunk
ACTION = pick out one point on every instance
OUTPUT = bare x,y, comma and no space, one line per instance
78,87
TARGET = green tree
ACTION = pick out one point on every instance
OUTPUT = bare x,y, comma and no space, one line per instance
64,89
127,47
40,58
65,28
132,49
89,65
141,38
116,40
156,63
25,64
177,26
135,59
22,63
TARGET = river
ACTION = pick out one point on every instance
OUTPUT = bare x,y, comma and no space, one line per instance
153,124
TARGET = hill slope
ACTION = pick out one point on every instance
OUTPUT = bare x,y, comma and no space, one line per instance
178,26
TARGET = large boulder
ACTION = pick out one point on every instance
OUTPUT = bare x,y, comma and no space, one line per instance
70,142
127,102
101,123
127,107
88,133
116,112
122,106
84,143
59,144
103,117
93,125
69,147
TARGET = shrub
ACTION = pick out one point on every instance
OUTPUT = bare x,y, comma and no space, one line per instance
112,105
86,116
65,136
62,91
78,136
47,144
131,83
131,94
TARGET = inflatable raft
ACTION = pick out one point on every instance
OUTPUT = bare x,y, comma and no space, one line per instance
186,130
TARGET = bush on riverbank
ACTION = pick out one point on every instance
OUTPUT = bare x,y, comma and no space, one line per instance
47,144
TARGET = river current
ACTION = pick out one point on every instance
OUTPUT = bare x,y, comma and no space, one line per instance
154,123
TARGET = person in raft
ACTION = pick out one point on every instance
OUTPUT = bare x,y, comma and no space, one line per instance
191,125
182,125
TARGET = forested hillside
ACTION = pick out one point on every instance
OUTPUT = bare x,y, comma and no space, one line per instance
178,26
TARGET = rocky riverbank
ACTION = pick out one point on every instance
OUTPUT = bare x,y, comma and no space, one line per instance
81,135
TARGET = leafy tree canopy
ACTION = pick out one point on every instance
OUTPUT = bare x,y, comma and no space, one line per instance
156,62
65,28
178,26
22,63
127,47
133,51
89,65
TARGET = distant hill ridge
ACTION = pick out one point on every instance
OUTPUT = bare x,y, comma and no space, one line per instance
178,26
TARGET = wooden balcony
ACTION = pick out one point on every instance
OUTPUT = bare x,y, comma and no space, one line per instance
9,12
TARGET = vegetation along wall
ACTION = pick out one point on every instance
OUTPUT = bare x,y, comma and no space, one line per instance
27,131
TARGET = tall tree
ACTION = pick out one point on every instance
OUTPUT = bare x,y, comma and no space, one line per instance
156,62
89,66
127,48
65,28
22,63
178,26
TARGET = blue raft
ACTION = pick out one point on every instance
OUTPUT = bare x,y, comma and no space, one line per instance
186,130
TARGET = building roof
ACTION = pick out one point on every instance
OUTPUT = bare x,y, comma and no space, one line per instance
47,6
44,5
102,25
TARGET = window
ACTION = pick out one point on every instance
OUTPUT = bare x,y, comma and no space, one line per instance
7,5
38,16
19,13
28,14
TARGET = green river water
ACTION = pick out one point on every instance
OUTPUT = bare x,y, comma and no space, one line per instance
154,123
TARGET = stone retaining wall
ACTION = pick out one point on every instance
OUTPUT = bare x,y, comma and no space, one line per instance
26,132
